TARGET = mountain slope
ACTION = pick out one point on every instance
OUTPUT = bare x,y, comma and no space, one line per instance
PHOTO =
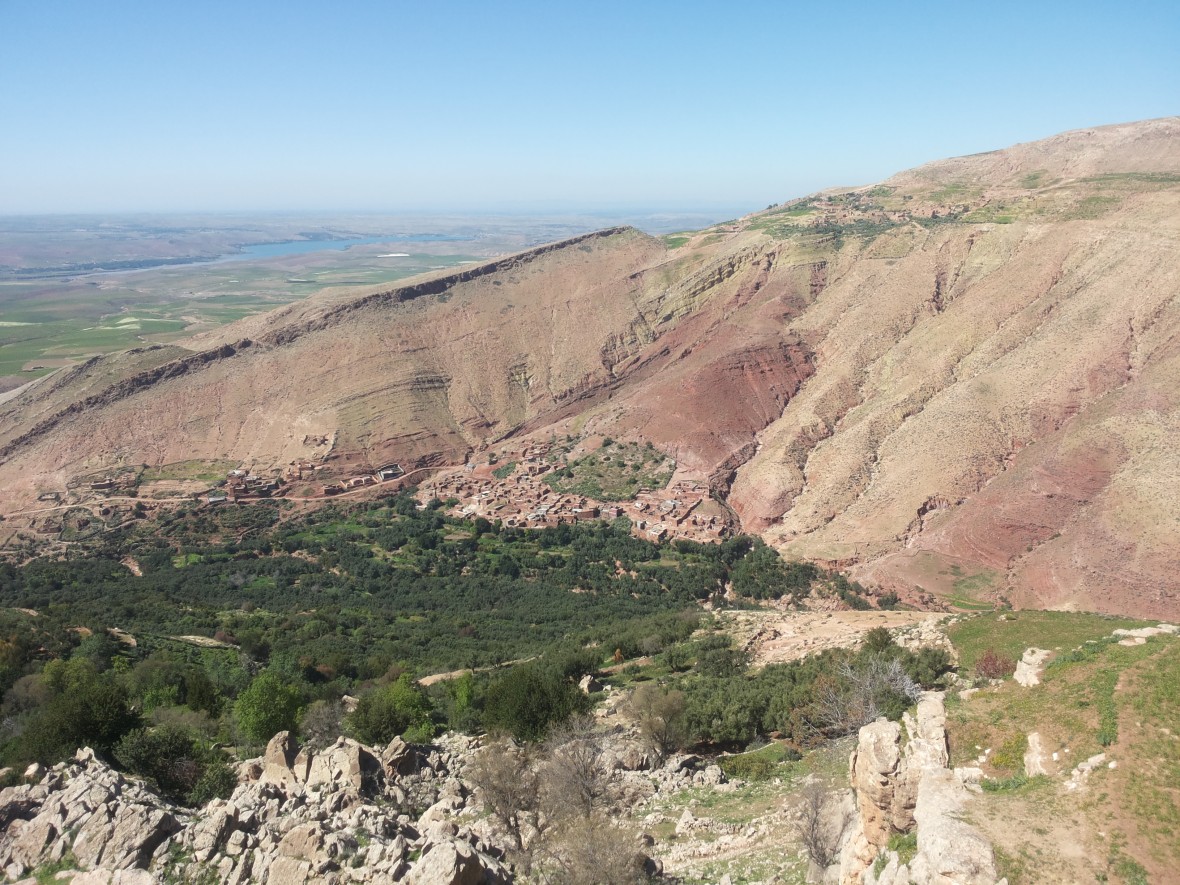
961,381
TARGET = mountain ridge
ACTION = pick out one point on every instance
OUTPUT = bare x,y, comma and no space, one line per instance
956,382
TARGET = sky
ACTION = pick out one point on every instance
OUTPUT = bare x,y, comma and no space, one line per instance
406,106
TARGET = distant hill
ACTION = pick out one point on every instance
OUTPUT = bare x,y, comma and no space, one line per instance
965,379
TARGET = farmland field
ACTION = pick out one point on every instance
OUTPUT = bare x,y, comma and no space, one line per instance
75,287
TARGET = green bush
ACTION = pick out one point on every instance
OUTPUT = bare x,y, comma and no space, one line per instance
267,707
400,708
759,765
217,781
529,700
85,709
182,766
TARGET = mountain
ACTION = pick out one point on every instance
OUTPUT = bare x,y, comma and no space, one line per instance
961,382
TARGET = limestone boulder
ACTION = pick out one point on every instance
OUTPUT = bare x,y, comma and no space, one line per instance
288,871
399,758
281,761
631,755
123,835
210,832
303,842
453,862
346,765
875,764
1028,670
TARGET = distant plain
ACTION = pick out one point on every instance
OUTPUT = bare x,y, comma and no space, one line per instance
72,287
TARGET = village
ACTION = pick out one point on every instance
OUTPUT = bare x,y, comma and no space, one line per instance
521,493
520,485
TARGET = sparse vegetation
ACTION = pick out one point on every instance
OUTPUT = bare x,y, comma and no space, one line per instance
994,666
616,472
504,471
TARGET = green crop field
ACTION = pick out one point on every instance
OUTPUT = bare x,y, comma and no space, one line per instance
46,322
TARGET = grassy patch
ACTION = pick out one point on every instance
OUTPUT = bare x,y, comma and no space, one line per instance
1035,179
1010,754
953,193
47,873
1150,708
905,844
1102,697
1011,633
616,472
505,471
1006,784
1016,868
199,471
1136,177
674,241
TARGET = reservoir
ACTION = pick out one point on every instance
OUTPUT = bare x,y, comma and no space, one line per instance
302,247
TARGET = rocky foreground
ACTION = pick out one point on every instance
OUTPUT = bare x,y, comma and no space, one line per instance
348,813
901,782
340,815
351,813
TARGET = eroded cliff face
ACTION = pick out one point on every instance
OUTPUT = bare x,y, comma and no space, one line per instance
1027,408
966,372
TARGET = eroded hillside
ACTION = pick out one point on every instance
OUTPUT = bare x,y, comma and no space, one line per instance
962,380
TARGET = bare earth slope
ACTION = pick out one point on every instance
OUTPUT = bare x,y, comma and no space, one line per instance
964,379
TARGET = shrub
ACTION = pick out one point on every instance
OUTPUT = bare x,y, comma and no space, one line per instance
722,662
399,708
217,781
878,640
928,665
758,765
86,709
659,713
856,695
322,723
528,700
993,665
181,766
267,707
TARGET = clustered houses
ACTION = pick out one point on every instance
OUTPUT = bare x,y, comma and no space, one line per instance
388,473
524,499
241,485
301,470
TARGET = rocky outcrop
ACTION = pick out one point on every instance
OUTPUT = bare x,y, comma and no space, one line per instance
1028,670
85,807
897,788
950,851
345,814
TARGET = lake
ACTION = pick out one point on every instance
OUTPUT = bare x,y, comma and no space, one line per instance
302,247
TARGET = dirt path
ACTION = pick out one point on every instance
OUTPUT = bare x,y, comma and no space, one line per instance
455,674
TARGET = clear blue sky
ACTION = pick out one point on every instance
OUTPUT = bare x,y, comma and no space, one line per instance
108,106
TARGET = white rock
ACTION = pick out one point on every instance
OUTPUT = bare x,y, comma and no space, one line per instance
1028,671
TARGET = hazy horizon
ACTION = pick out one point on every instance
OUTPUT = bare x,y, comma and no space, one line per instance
526,106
